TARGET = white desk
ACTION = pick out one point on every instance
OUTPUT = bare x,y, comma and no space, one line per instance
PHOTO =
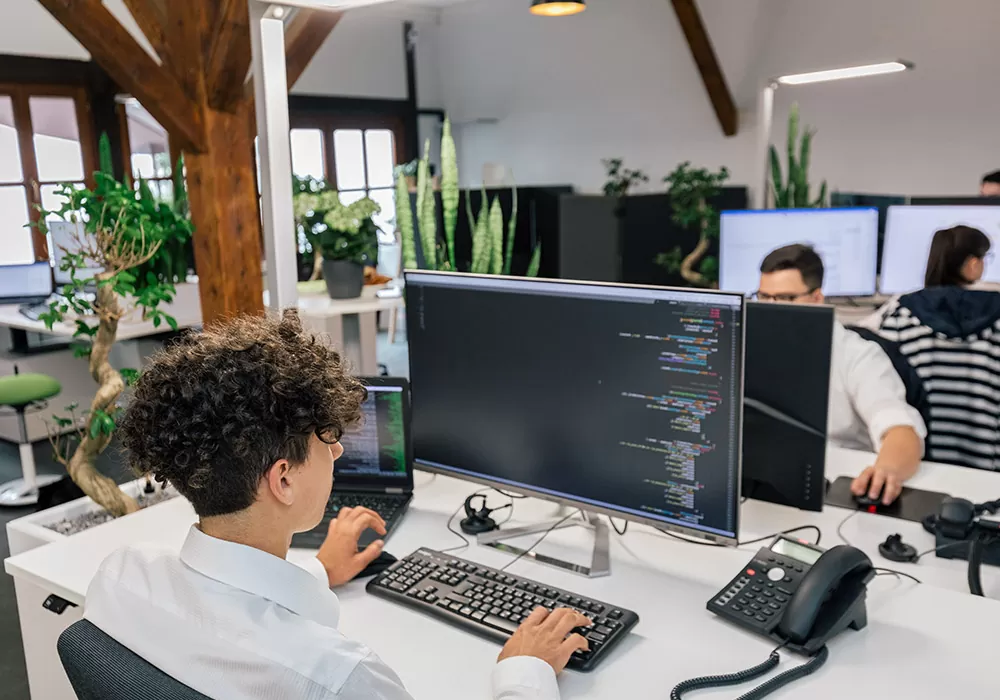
921,642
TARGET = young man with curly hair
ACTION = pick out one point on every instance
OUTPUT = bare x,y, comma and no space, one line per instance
244,420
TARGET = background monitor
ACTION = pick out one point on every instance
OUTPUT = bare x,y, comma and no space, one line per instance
616,399
21,283
786,397
846,239
908,236
882,202
64,236
956,201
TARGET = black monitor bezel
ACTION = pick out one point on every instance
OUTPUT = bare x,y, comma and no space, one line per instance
567,499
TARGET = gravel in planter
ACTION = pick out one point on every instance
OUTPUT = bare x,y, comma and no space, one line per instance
73,526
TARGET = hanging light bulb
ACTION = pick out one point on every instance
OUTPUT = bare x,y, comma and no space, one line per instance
557,8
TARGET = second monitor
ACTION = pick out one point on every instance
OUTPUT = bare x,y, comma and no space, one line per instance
614,399
846,239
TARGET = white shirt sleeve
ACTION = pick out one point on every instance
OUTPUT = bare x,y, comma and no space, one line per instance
517,678
876,391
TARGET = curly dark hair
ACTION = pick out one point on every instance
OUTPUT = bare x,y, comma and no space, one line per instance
212,412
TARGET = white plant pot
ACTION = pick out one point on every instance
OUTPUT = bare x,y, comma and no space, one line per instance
29,532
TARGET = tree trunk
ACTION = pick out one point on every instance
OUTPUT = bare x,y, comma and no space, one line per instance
101,489
317,266
688,271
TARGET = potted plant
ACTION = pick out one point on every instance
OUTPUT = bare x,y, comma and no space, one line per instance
691,191
121,231
794,193
348,242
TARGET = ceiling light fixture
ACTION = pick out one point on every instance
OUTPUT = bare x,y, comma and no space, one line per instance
845,73
557,8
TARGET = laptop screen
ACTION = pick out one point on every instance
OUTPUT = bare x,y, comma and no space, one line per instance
377,446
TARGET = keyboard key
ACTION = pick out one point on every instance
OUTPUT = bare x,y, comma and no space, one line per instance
602,629
596,636
467,611
500,623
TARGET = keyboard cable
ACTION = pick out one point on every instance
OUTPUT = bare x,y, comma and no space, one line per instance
539,540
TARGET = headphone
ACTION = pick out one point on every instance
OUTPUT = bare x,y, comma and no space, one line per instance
478,521
959,520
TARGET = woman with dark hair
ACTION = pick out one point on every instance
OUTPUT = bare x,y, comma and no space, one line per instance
957,257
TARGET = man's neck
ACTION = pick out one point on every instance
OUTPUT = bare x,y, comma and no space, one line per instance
248,529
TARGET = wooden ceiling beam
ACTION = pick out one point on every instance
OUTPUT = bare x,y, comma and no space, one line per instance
708,65
151,18
303,37
227,61
128,64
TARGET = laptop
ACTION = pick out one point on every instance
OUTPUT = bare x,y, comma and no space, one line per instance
376,469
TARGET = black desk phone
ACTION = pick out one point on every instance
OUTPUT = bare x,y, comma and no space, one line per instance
798,594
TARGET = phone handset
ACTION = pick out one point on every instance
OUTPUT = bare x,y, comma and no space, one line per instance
829,598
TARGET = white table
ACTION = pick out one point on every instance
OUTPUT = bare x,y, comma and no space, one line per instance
923,641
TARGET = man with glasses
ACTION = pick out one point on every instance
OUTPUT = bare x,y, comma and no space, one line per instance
868,409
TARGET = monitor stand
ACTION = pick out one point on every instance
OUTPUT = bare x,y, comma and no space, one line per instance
600,561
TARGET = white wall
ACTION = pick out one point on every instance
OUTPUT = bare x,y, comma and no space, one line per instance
930,131
619,80
365,57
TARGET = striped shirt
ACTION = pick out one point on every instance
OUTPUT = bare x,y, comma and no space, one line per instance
958,360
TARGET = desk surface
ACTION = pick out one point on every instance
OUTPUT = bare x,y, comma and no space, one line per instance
921,642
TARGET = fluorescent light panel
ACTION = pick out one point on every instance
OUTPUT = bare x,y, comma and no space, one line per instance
845,73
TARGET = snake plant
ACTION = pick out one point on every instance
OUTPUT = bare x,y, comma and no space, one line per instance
449,190
794,193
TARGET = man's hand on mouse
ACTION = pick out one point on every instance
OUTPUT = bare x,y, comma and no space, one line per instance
339,553
879,479
546,636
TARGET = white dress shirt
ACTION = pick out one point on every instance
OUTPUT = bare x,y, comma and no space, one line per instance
237,623
867,396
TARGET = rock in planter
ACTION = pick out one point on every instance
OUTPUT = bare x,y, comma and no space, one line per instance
344,279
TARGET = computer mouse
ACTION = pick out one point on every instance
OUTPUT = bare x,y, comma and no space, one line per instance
382,562
866,501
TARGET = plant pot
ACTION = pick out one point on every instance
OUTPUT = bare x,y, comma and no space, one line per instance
344,279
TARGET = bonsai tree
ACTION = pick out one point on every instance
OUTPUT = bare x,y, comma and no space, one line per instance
122,232
794,193
621,180
691,190
491,253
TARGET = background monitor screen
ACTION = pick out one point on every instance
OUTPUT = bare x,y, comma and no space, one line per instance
25,281
908,236
846,239
616,399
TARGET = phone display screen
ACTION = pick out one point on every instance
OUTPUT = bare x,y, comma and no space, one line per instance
799,552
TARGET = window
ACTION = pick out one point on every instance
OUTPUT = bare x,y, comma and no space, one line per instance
45,140
149,151
355,156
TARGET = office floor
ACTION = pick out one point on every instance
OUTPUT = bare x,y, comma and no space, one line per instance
13,681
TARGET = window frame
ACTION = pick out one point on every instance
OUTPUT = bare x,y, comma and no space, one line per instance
20,95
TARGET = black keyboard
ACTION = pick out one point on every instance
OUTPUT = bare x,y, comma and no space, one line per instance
493,603
389,506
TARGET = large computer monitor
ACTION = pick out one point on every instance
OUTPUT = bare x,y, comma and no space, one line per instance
956,201
616,399
787,388
847,240
908,236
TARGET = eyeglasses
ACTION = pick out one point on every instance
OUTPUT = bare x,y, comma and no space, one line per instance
786,298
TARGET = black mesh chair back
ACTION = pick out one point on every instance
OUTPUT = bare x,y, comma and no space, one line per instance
99,668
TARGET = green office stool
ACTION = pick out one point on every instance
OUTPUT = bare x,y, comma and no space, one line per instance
22,392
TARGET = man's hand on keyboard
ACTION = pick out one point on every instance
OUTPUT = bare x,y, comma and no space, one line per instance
544,636
339,553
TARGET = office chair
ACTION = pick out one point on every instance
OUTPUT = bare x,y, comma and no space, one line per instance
20,393
99,668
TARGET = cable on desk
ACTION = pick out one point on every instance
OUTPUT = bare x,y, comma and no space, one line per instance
511,496
762,690
879,571
840,527
539,540
962,543
819,534
621,532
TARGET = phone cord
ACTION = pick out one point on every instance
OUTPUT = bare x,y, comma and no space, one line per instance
764,689
976,564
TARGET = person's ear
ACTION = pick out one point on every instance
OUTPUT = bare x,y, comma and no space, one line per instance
818,296
279,481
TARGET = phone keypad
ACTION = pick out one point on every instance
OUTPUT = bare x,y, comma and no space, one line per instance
757,596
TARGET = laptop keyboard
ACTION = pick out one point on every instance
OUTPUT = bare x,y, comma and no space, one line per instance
385,505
